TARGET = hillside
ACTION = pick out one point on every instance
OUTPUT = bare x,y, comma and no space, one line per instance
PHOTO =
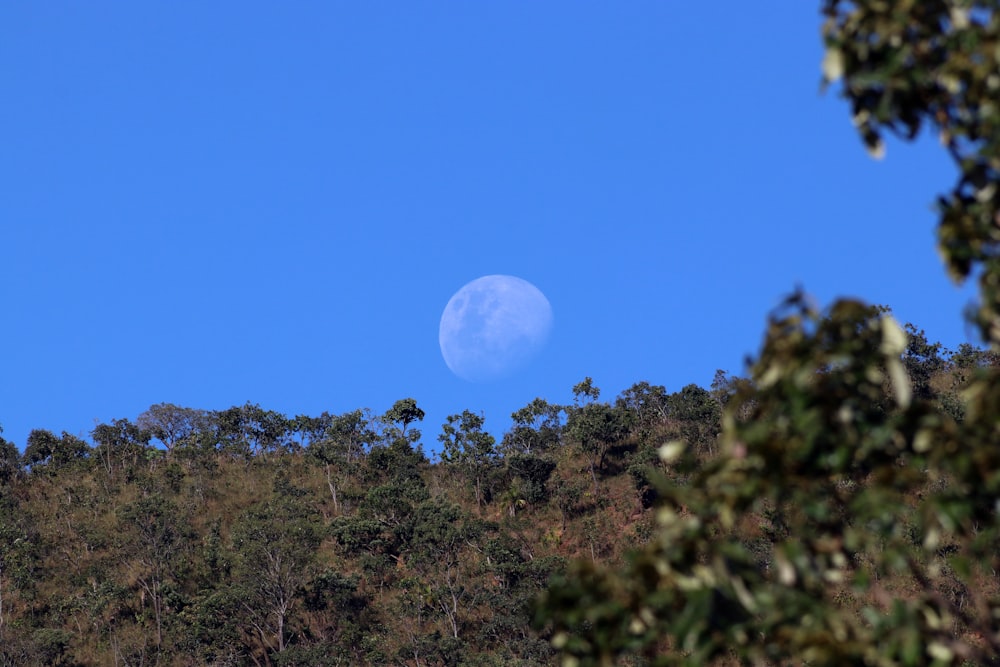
249,537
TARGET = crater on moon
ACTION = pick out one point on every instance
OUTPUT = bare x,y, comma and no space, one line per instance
493,327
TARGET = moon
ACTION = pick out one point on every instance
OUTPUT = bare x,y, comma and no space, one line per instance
493,327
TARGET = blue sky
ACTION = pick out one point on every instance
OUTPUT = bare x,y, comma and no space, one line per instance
214,203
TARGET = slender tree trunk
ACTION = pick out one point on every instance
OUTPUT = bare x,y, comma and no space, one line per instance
106,460
333,489
451,611
453,616
152,587
158,611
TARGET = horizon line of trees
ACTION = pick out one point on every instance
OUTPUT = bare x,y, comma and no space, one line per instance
248,431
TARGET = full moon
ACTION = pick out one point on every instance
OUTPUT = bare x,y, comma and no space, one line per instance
493,327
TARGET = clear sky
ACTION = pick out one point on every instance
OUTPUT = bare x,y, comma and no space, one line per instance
213,203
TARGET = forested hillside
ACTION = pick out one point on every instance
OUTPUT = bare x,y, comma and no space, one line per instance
245,536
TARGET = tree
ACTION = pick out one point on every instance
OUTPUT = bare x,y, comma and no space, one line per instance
309,429
535,472
596,427
970,360
466,444
340,447
394,465
725,387
537,429
367,539
43,448
585,392
698,414
247,431
154,537
391,472
880,509
276,545
922,360
904,66
120,444
518,580
403,413
341,619
438,533
647,403
801,464
10,460
172,425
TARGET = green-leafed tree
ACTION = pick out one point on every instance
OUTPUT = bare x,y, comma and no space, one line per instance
970,361
648,406
309,429
370,542
153,537
44,449
120,446
340,448
437,536
340,619
398,419
536,429
697,415
394,465
534,473
173,425
393,484
466,445
904,67
249,431
594,426
275,545
517,580
528,450
923,361
10,460
725,387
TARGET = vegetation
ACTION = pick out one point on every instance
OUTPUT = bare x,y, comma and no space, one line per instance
851,516
839,506
244,536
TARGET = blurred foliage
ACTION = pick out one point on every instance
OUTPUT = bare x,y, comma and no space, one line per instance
906,66
840,485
